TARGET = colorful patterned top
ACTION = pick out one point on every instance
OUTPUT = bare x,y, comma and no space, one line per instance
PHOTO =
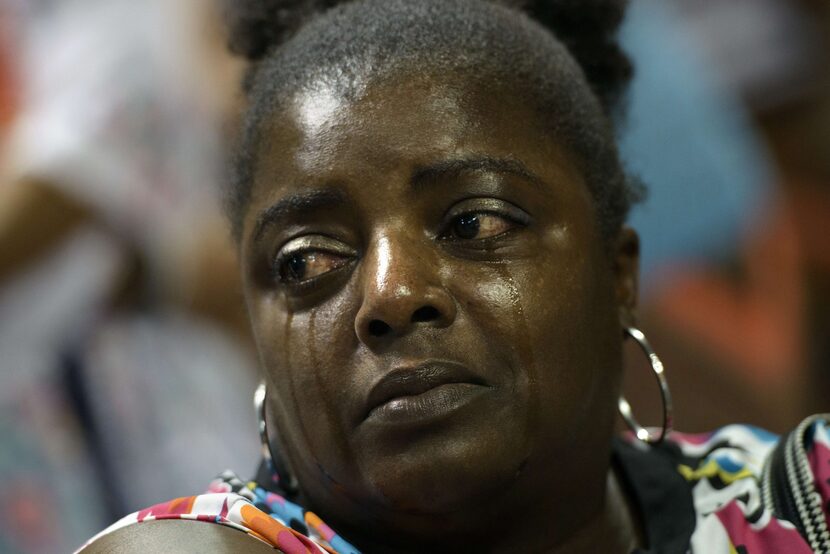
738,490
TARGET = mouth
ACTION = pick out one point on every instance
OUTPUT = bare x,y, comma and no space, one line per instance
422,393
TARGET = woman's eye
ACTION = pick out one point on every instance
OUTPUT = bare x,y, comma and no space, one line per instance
303,266
480,225
306,257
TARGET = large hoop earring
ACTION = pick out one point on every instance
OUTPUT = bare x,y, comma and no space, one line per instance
625,408
276,465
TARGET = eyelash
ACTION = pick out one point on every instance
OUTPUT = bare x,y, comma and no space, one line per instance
456,218
280,262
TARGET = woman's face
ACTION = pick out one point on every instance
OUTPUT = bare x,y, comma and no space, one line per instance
436,313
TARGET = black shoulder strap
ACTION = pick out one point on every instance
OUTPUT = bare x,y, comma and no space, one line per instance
661,494
788,487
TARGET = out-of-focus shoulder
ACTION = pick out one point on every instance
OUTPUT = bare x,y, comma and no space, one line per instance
237,506
176,536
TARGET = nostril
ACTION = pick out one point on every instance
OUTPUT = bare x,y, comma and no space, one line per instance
426,313
378,328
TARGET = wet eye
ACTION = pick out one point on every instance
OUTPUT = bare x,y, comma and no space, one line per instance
308,257
303,266
480,225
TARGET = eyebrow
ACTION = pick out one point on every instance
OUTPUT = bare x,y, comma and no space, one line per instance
452,168
295,205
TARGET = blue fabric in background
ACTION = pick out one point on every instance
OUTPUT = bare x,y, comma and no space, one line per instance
692,142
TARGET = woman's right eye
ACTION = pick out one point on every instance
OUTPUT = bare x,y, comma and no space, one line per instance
304,266
305,258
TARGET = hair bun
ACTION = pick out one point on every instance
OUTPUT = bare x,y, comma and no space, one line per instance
587,27
257,26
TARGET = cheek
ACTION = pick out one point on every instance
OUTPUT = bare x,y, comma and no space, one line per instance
272,328
552,321
303,356
496,307
305,346
576,326
495,303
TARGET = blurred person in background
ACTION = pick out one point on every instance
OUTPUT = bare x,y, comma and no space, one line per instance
741,218
119,303
692,141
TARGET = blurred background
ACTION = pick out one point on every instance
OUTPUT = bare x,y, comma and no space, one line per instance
126,368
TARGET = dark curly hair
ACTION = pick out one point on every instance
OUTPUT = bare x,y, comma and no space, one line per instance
562,55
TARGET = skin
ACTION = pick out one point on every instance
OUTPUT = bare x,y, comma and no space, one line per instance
532,305
179,536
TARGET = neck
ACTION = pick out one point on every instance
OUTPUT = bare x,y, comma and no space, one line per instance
612,526
615,528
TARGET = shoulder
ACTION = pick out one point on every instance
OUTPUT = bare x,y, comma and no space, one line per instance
175,536
755,490
236,516
240,521
187,520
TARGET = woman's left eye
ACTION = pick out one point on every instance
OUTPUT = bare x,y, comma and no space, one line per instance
480,225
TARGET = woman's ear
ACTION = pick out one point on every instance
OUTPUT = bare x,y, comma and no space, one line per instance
626,266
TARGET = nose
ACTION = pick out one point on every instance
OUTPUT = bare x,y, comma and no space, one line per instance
401,292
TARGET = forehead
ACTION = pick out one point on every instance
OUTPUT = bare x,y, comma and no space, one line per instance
324,133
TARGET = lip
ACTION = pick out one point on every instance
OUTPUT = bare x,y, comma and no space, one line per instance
421,392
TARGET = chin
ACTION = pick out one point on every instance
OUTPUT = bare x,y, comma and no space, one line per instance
438,477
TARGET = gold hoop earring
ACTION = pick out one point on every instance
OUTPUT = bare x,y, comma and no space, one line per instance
625,408
276,465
